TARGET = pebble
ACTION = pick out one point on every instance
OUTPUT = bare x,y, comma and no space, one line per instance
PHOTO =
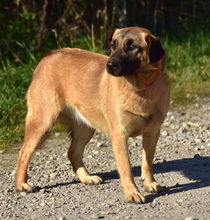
42,204
190,218
38,153
23,193
165,133
94,216
101,145
110,212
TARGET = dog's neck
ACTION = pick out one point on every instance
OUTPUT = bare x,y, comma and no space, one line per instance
149,84
142,80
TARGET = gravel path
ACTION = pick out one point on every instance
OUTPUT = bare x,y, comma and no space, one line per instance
181,164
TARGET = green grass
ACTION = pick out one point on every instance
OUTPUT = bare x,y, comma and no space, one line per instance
188,67
14,82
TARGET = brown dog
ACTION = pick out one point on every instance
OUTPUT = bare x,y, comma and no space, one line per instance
124,95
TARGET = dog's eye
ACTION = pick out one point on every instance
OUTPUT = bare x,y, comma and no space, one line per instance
113,46
132,47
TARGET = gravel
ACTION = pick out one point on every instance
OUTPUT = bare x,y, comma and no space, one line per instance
181,165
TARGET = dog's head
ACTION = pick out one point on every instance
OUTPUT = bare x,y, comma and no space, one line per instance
130,49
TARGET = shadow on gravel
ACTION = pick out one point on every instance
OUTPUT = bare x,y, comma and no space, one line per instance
195,169
45,188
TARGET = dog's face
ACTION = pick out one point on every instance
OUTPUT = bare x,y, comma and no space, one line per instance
130,49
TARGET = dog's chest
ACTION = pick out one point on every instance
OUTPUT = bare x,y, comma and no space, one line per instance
134,125
136,103
138,114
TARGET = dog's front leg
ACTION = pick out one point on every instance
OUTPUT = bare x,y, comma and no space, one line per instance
119,143
150,140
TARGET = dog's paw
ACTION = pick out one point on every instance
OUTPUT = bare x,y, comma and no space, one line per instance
92,180
25,187
134,197
153,187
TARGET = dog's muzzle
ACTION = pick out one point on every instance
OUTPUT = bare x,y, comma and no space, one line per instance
112,67
122,66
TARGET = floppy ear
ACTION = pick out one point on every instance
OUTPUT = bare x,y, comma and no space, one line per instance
155,50
107,46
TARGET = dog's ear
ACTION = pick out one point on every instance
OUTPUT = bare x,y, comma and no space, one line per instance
107,45
155,50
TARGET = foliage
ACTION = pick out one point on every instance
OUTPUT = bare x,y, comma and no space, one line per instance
44,24
30,28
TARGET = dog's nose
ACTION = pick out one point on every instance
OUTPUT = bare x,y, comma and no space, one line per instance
111,67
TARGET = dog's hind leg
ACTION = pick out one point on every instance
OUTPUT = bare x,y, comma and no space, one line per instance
39,121
81,135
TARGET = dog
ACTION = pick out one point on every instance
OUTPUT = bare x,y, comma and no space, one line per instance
124,94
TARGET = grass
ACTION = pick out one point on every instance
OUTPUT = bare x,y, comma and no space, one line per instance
188,67
13,86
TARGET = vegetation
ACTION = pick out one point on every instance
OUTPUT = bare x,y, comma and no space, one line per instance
30,28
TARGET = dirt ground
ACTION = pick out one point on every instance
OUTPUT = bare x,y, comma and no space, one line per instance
181,165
